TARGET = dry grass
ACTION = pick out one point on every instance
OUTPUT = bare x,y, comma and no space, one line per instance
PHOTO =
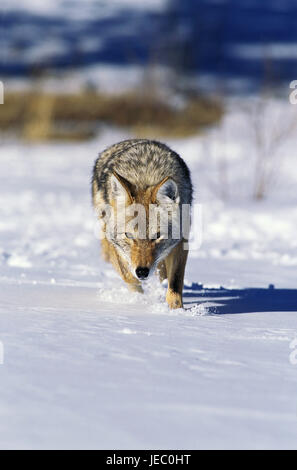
40,116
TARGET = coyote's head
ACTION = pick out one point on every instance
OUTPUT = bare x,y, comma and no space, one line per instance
143,225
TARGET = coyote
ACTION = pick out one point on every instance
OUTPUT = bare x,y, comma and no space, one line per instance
148,178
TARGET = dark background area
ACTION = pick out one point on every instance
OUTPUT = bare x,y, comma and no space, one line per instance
250,40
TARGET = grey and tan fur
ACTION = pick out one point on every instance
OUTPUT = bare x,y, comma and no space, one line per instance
146,172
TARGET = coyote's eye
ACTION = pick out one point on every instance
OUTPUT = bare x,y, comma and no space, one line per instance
129,235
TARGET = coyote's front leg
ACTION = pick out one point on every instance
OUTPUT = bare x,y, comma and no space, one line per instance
175,267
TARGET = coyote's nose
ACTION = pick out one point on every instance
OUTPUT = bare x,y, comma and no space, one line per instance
142,273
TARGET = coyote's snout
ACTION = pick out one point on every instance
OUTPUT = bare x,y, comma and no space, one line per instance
142,193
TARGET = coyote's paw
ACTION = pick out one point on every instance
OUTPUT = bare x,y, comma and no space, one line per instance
174,299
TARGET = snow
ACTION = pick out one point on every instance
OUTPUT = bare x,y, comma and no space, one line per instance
101,77
86,364
278,51
74,8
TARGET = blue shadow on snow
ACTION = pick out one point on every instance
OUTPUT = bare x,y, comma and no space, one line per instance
242,300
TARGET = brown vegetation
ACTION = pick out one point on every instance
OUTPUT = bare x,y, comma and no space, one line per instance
40,115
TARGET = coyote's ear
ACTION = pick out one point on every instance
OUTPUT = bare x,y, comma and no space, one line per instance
166,192
120,187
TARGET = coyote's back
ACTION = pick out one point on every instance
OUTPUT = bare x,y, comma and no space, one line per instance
150,178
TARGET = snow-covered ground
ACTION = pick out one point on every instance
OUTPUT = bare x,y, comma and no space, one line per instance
89,365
